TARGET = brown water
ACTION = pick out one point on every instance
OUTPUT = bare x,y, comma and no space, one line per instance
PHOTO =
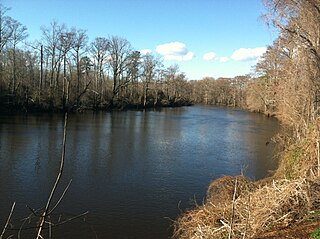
133,171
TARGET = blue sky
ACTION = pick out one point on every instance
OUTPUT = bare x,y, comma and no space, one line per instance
218,38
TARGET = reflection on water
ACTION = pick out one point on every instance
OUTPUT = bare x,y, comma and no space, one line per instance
129,169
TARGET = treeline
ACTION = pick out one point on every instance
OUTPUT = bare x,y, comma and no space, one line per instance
289,79
64,71
286,80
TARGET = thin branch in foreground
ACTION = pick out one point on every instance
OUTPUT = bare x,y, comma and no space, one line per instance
34,212
8,220
62,196
46,210
70,219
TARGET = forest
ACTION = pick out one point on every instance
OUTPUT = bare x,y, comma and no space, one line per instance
63,71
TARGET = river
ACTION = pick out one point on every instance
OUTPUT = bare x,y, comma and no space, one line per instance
133,171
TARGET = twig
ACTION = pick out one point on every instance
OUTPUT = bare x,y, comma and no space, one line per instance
50,223
24,221
247,219
224,223
60,199
46,210
34,212
233,203
70,219
8,220
92,229
50,228
318,157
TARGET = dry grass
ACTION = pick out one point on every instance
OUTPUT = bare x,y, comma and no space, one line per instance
256,209
212,220
302,158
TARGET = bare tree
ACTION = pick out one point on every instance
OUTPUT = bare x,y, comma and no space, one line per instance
66,43
133,74
51,48
298,87
5,36
5,27
99,52
149,67
119,51
79,47
19,33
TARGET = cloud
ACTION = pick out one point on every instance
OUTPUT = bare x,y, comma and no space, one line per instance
188,57
145,51
223,59
209,56
176,51
248,54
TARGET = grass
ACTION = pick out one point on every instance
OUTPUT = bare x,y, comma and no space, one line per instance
316,234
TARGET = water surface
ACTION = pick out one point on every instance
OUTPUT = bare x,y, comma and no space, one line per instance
133,171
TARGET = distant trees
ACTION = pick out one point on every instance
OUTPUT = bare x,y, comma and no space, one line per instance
11,58
119,51
63,71
221,91
149,71
99,55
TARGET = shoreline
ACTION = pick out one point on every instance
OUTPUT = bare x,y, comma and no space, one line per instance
237,207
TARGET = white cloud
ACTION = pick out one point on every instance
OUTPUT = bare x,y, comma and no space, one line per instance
223,59
175,51
209,56
188,57
145,51
172,48
248,54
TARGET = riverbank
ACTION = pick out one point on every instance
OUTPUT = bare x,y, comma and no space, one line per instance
116,106
285,205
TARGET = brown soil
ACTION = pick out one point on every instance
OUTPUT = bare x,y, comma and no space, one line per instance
300,231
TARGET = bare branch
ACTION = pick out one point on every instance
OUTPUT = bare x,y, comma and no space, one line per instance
46,210
8,220
70,219
62,195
